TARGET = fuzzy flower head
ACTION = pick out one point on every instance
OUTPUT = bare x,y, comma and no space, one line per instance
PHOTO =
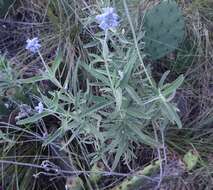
39,108
33,45
107,20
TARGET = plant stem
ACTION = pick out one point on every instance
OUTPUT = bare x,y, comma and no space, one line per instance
107,64
42,60
159,156
136,43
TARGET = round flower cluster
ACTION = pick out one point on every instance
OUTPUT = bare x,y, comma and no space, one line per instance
33,45
108,20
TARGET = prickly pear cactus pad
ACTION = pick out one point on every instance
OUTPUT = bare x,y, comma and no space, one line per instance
164,29
4,5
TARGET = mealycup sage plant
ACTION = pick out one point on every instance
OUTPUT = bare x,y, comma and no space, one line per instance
121,105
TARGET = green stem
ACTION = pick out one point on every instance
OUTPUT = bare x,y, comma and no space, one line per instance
106,63
136,43
50,74
42,60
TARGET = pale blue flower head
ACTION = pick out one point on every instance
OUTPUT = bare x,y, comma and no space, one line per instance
39,108
33,45
108,20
